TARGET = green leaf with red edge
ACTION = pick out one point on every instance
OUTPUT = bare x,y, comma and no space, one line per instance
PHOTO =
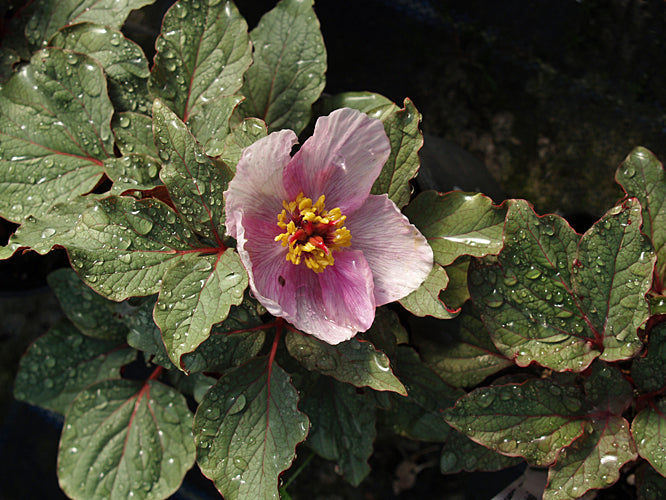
642,175
210,122
62,363
54,132
354,362
460,453
402,129
607,390
562,300
342,426
463,355
649,371
651,484
122,247
456,293
46,17
533,420
245,134
247,428
288,69
134,133
194,180
125,439
419,414
92,314
370,103
133,174
123,61
458,223
593,461
649,431
196,294
202,53
425,301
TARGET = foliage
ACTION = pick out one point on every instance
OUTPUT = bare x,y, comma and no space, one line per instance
557,360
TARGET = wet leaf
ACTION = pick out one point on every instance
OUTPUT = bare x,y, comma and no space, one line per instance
425,301
245,134
419,414
533,420
210,122
460,453
125,439
593,461
561,300
194,180
466,354
54,132
370,103
247,428
386,331
196,294
123,247
133,173
457,223
642,175
134,133
46,17
649,371
62,363
402,129
92,314
202,53
456,293
343,426
288,69
607,389
648,432
354,362
651,484
123,61
144,335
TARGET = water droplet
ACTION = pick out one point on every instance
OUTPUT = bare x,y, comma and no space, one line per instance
533,273
238,405
48,232
125,121
629,172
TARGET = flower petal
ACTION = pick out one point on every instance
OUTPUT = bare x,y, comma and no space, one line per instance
398,254
257,189
341,160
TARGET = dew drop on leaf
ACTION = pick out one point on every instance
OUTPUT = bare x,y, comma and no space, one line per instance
238,405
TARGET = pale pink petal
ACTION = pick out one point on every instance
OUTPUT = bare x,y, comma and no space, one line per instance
398,254
257,189
341,160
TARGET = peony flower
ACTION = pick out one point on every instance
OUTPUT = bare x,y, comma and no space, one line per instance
320,250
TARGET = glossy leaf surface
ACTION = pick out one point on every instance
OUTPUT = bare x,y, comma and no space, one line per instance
62,363
460,453
425,301
288,69
649,371
247,428
649,432
354,362
134,133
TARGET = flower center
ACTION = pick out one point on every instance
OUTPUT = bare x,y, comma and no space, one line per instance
312,232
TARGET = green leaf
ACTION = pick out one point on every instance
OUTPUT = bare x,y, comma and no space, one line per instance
533,420
457,223
245,134
460,453
649,372
195,295
386,331
593,461
288,69
354,362
651,485
8,58
54,132
125,439
419,415
373,105
642,175
425,301
210,122
607,389
202,53
195,181
123,247
92,314
62,363
134,133
402,129
133,173
456,293
48,16
123,61
648,432
561,300
144,334
247,428
465,355
343,426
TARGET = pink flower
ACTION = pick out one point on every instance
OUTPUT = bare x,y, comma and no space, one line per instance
320,250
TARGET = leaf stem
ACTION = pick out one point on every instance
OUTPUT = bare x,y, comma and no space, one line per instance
156,373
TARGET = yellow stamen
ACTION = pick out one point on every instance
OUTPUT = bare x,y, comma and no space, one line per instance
311,232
